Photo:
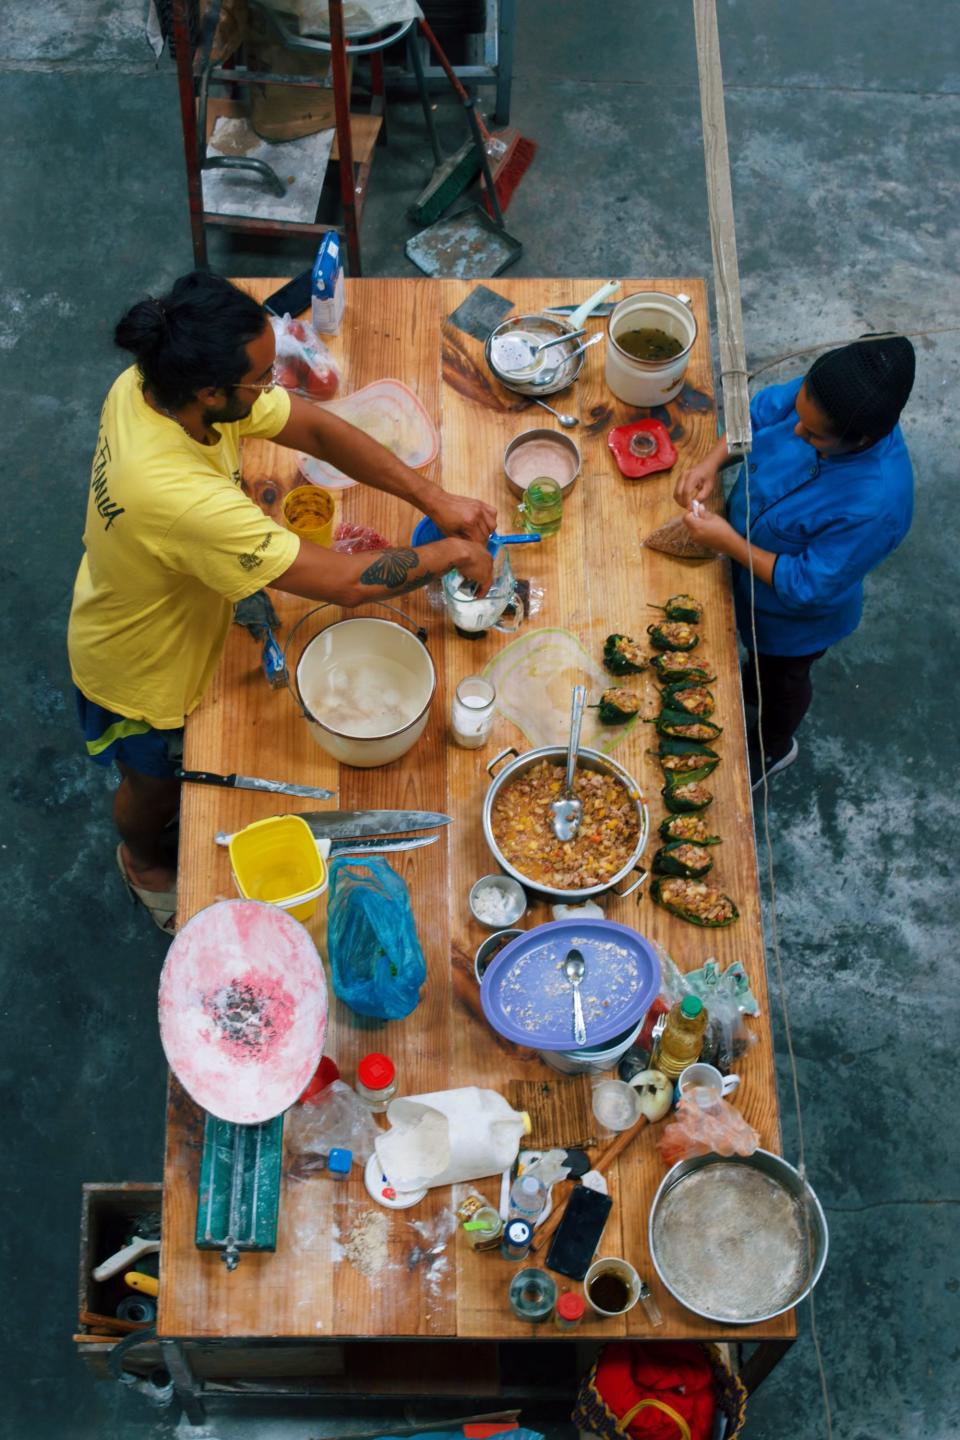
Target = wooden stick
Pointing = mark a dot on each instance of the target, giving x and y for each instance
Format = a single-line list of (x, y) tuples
[(112, 1323), (604, 1160)]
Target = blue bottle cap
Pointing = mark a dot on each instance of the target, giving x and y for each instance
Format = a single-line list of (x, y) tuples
[(340, 1161)]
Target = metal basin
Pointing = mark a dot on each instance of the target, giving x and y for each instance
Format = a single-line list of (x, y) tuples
[(737, 1238), (586, 760)]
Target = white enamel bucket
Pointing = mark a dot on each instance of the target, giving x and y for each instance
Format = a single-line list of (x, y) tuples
[(649, 382)]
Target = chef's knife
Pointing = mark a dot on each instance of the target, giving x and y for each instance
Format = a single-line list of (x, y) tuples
[(355, 824), (569, 309), (360, 847), (252, 782)]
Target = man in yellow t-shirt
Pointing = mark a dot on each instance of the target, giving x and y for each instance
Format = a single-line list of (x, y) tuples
[(171, 543)]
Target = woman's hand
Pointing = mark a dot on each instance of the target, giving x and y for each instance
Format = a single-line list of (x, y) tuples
[(710, 530), (697, 483)]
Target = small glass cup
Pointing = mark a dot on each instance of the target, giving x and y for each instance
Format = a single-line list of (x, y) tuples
[(473, 710), (541, 509)]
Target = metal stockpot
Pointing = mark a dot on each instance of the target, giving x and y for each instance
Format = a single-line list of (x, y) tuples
[(587, 760)]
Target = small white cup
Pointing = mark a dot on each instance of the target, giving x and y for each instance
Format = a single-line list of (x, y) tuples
[(624, 1271), (707, 1078)]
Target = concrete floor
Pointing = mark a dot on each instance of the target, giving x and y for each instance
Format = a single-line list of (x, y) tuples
[(843, 125)]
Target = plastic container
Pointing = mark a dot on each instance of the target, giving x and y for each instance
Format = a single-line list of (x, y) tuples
[(376, 1081), (517, 1239), (569, 1311), (389, 412), (682, 1038), (310, 512), (649, 382), (450, 1136), (277, 860)]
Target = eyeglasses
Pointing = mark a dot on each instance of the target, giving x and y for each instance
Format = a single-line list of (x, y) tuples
[(250, 385)]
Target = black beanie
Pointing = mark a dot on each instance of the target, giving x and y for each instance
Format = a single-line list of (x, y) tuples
[(862, 388)]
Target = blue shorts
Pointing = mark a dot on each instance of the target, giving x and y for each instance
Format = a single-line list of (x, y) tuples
[(134, 743)]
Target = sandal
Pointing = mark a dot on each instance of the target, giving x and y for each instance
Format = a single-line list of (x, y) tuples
[(160, 905)]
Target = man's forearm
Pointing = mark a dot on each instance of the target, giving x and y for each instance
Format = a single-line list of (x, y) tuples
[(319, 574)]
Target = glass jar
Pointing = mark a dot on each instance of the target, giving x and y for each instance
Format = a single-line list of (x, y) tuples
[(472, 714), (376, 1081), (542, 506)]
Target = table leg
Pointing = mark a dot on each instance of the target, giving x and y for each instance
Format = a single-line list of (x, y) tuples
[(185, 1385), (764, 1358)]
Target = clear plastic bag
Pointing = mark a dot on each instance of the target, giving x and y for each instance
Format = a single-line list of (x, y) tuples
[(350, 539), (706, 1129), (375, 955), (336, 1117), (304, 365)]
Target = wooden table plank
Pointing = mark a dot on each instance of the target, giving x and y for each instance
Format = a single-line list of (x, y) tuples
[(596, 577)]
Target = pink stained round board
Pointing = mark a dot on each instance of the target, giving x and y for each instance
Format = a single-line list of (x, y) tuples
[(243, 1010)]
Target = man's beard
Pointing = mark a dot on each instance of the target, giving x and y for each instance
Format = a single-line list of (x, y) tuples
[(234, 409)]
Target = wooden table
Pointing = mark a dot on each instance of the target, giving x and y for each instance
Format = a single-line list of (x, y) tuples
[(596, 577)]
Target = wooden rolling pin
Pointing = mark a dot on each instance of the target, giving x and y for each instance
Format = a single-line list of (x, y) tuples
[(544, 1232)]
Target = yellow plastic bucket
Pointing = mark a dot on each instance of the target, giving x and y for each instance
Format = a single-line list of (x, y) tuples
[(277, 860), (309, 511)]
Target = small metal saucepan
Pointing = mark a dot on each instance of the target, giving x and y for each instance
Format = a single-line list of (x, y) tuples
[(555, 368), (586, 760)]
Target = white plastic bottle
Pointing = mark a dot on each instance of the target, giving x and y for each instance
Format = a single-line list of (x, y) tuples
[(449, 1136), (528, 1196)]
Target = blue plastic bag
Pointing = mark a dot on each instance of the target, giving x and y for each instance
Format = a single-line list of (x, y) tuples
[(378, 965)]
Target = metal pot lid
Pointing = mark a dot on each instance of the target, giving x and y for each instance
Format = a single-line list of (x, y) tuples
[(527, 998), (243, 1010)]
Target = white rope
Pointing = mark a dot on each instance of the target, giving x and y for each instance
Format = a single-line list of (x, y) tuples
[(775, 944)]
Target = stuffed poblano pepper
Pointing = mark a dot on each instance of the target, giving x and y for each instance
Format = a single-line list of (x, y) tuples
[(686, 727), (686, 795), (623, 656), (682, 858), (687, 827), (675, 665), (694, 699), (695, 902), (673, 635), (685, 756), (682, 607), (617, 706)]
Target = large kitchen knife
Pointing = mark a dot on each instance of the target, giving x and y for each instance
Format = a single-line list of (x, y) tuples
[(360, 847), (252, 782), (348, 825)]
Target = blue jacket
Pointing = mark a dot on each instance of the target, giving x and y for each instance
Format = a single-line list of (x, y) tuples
[(830, 521)]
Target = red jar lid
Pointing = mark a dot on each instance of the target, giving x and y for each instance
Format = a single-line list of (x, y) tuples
[(376, 1071), (324, 1075), (571, 1306)]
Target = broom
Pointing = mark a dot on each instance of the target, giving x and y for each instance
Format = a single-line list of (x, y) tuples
[(510, 155)]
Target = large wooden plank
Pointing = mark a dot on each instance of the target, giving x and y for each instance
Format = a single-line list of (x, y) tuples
[(595, 576)]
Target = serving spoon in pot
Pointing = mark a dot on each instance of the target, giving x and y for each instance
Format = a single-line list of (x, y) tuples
[(567, 811)]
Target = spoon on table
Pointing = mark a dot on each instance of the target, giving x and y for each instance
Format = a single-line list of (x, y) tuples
[(516, 352), (567, 421), (574, 967), (568, 810)]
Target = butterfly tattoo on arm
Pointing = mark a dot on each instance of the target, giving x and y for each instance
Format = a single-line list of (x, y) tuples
[(391, 568)]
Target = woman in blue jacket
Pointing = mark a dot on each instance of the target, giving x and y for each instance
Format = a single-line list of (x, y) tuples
[(827, 492)]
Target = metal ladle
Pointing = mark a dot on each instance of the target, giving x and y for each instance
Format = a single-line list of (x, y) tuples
[(574, 967), (567, 811)]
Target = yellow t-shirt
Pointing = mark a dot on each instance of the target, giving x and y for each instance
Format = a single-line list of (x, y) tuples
[(171, 544)]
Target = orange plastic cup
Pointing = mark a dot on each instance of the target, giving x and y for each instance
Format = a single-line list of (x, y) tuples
[(309, 512)]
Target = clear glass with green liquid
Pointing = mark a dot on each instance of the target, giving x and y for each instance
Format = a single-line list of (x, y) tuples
[(542, 506)]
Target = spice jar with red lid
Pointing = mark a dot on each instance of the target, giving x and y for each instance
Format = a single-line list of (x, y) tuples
[(376, 1081)]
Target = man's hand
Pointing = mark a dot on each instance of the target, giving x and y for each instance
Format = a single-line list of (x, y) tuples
[(458, 515), (697, 483), (711, 530), (477, 564)]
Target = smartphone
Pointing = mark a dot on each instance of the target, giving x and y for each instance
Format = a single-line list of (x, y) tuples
[(292, 298), (578, 1234)]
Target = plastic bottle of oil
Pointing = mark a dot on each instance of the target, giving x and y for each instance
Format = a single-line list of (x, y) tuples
[(682, 1038)]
